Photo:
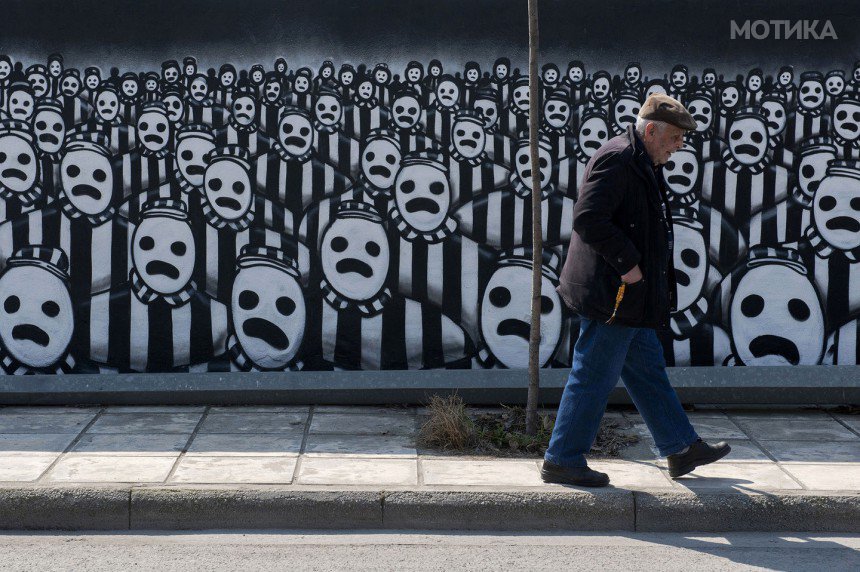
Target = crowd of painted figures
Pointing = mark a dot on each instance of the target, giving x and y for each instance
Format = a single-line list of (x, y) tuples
[(270, 219)]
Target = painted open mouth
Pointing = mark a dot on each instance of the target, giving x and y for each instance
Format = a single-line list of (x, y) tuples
[(32, 333), (682, 277), (328, 116), (228, 203), (422, 204), (49, 138), (354, 265), (153, 139), (679, 180), (84, 190), (775, 345), (379, 170), (591, 144), (843, 223), (557, 116), (16, 173), (407, 119), (747, 149), (265, 330), (701, 118), (849, 126), (469, 143), (295, 141), (195, 169), (160, 267), (513, 327)]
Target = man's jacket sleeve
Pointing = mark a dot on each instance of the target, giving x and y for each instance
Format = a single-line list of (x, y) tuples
[(600, 196)]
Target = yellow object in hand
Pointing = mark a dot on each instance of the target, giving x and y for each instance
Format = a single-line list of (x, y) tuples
[(618, 297)]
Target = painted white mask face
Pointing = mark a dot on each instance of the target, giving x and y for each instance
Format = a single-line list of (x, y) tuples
[(748, 140), (327, 72), (423, 195), (257, 76), (593, 133), (92, 81), (302, 84), (199, 89), (355, 257), (488, 109), (601, 88), (729, 97), (175, 108), (269, 321), (834, 85), (190, 153), (49, 131), (625, 111), (381, 76), (295, 134), (469, 138), (5, 70), (244, 110), (575, 74), (151, 85), (37, 318), (153, 130), (39, 84), (472, 75), (556, 113), (190, 70), (18, 167), (107, 105), (379, 162), (551, 76), (679, 79), (846, 120), (407, 111), (520, 97), (811, 94), (227, 79), (228, 189), (681, 171), (774, 113), (524, 168), (365, 89), (754, 83), (21, 105), (785, 78), (709, 79), (70, 86), (87, 179), (346, 78), (836, 210), (501, 71), (776, 326), (273, 91), (328, 110), (812, 169), (413, 75), (505, 317), (702, 112), (171, 75), (163, 253), (632, 75), (447, 93), (691, 264), (129, 87)]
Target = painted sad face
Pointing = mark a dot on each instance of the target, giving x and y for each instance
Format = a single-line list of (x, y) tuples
[(328, 110), (748, 140), (295, 134), (163, 253), (199, 89), (846, 120), (691, 264), (593, 133), (18, 167), (488, 109), (423, 195), (37, 320), (21, 104), (38, 83), (834, 85), (153, 130), (837, 211), (190, 157), (175, 108), (407, 111), (49, 130), (702, 112), (556, 113), (447, 93), (107, 105), (469, 138), (270, 320), (379, 162), (774, 113), (355, 257), (524, 168), (624, 110), (505, 316), (70, 86), (244, 110), (228, 189), (681, 171), (87, 179), (811, 94), (812, 169)]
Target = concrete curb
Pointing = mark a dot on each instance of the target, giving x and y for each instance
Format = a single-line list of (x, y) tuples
[(202, 507)]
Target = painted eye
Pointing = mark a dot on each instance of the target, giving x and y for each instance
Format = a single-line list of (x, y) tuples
[(500, 296), (524, 159), (757, 137), (161, 127), (304, 131), (798, 309), (437, 188), (736, 134), (670, 165), (546, 305), (752, 305), (827, 203), (144, 126), (339, 244), (688, 168), (51, 309), (99, 176), (42, 125), (372, 249), (248, 300), (690, 257), (238, 187), (808, 171), (369, 156), (147, 243), (215, 184), (178, 248), (187, 155), (71, 170), (24, 159), (12, 304), (407, 187), (285, 305), (855, 203)]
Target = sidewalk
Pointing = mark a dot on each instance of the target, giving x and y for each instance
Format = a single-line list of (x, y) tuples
[(358, 467)]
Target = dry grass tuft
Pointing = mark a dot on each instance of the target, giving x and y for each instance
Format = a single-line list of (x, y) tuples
[(448, 426)]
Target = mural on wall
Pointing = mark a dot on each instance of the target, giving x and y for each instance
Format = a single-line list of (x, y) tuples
[(366, 217)]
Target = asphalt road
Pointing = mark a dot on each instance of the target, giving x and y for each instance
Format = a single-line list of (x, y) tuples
[(417, 551)]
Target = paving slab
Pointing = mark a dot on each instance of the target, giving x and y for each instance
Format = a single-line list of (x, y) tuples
[(826, 477), (146, 423), (45, 422), (364, 409), (627, 475), (708, 428), (24, 467), (244, 470), (814, 452), (34, 443), (506, 473), (240, 422), (745, 450), (300, 409), (246, 444), (155, 409), (816, 429), (322, 445), (741, 477), (130, 444), (45, 409), (338, 471), (110, 469), (364, 424), (852, 421)]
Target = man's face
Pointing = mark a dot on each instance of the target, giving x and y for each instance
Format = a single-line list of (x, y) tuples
[(662, 141)]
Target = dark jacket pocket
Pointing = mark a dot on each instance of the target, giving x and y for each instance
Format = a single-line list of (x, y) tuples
[(632, 307)]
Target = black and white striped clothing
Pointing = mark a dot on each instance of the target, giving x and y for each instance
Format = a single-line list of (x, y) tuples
[(319, 214), (405, 334), (785, 222), (49, 174), (14, 204), (706, 345), (338, 150), (131, 335), (268, 117), (472, 177), (129, 109), (76, 110), (512, 121), (360, 118), (249, 138), (501, 149), (414, 139), (837, 280), (122, 137), (503, 219), (205, 113), (843, 344), (141, 170), (439, 123), (803, 124)]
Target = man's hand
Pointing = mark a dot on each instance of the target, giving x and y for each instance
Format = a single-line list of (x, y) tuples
[(635, 275)]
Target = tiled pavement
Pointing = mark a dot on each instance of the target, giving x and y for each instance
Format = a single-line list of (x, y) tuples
[(814, 450)]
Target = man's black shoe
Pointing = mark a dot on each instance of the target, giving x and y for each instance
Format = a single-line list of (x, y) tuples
[(699, 453), (579, 476)]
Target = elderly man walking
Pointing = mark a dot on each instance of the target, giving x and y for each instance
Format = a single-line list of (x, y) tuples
[(618, 276)]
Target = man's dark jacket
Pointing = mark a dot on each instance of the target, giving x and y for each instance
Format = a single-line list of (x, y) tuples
[(618, 222)]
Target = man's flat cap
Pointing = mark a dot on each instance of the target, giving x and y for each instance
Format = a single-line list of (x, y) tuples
[(661, 107)]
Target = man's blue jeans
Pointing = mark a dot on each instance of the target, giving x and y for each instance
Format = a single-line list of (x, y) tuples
[(601, 354)]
